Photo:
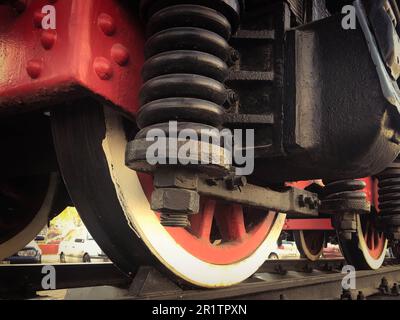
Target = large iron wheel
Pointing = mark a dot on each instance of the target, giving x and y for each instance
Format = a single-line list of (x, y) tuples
[(367, 248), (310, 243), (26, 204), (225, 244)]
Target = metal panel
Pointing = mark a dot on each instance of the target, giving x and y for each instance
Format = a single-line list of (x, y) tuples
[(97, 48)]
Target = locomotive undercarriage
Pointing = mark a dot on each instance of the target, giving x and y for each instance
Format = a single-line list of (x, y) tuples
[(307, 87)]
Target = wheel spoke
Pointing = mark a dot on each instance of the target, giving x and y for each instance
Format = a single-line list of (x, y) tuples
[(202, 223), (366, 233), (230, 221)]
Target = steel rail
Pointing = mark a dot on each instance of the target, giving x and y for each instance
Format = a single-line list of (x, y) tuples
[(277, 279)]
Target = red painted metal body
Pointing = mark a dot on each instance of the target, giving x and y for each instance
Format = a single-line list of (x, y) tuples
[(96, 48)]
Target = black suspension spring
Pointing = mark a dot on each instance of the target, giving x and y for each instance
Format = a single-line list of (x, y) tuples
[(345, 199), (187, 55), (186, 63), (345, 189), (389, 199), (389, 191)]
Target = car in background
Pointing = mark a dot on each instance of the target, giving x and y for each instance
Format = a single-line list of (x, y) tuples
[(332, 251), (81, 249), (284, 250), (30, 254)]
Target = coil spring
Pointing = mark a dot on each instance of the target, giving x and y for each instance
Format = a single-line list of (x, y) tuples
[(389, 191), (186, 65), (345, 189)]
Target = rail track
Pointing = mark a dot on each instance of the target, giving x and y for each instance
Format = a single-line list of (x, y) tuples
[(276, 280)]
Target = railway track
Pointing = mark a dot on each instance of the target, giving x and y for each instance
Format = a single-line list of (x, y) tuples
[(285, 279)]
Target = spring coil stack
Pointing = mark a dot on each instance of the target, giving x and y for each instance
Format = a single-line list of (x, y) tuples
[(187, 62), (345, 189), (389, 200), (345, 199)]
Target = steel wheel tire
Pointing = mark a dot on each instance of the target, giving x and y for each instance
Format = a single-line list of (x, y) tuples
[(39, 220), (90, 142), (367, 248)]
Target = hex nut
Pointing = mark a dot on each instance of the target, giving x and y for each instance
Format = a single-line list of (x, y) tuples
[(175, 201)]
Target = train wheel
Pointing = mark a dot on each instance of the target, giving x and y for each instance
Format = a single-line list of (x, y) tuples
[(310, 243), (367, 248), (25, 206), (225, 244)]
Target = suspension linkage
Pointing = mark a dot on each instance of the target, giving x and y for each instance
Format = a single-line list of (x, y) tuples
[(292, 201)]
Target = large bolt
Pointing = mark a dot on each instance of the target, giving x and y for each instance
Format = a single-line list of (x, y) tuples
[(175, 206), (175, 201)]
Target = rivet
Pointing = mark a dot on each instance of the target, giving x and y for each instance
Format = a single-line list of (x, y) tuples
[(106, 24), (103, 68), (34, 68), (120, 54), (48, 39), (38, 18)]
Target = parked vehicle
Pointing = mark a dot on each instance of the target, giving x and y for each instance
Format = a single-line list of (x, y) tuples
[(30, 254), (82, 248), (286, 250), (332, 251)]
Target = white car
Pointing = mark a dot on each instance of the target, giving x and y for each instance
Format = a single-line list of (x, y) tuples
[(82, 249), (287, 250)]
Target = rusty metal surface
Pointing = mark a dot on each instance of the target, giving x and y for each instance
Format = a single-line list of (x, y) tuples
[(286, 201)]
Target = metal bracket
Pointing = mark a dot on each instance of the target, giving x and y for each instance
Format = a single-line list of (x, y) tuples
[(293, 201)]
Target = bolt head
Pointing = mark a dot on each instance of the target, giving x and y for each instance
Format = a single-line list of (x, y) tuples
[(175, 201)]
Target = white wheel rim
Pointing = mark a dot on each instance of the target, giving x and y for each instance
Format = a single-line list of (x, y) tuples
[(146, 225), (20, 240), (309, 255)]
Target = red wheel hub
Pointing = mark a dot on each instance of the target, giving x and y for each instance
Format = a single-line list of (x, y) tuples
[(222, 233)]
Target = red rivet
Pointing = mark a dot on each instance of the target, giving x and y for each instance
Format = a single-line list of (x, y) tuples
[(38, 18), (120, 54), (34, 68), (48, 39), (106, 24), (103, 68)]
